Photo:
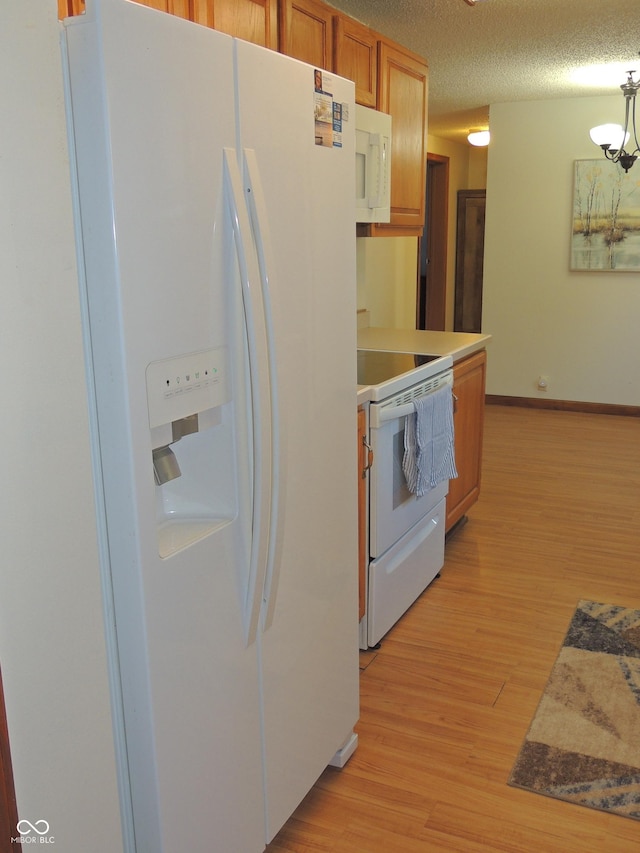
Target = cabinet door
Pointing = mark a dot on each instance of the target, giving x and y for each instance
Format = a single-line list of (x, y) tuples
[(306, 28), (251, 20), (403, 92), (468, 419), (8, 807), (174, 7), (68, 8), (363, 465), (356, 57)]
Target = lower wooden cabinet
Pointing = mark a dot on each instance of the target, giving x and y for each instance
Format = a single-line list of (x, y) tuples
[(363, 465), (469, 378), (8, 807)]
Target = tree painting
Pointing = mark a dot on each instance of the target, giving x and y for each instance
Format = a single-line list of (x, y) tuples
[(606, 217)]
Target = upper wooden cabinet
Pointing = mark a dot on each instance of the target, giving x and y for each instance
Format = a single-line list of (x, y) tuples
[(252, 20), (69, 8), (306, 32), (403, 92), (356, 58), (387, 76)]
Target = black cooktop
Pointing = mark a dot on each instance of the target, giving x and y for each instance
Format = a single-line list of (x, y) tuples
[(375, 366)]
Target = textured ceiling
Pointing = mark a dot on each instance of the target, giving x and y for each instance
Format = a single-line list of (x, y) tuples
[(506, 50)]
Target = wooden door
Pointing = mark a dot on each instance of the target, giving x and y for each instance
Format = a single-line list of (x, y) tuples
[(306, 32), (356, 57), (469, 261), (468, 419), (432, 290), (8, 807), (403, 92)]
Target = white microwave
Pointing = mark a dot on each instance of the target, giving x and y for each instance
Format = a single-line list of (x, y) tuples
[(373, 165)]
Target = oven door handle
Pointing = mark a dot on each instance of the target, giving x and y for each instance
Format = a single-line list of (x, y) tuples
[(382, 414), (392, 413)]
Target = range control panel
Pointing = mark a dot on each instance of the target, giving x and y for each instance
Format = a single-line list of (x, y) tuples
[(181, 386)]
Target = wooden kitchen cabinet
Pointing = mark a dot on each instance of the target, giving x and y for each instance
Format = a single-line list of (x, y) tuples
[(403, 92), (69, 8), (356, 57), (387, 76), (364, 463), (306, 31), (469, 376), (252, 20), (8, 806)]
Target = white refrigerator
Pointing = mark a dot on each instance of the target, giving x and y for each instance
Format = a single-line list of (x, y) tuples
[(214, 200)]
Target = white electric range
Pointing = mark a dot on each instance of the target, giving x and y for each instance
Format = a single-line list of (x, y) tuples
[(406, 533)]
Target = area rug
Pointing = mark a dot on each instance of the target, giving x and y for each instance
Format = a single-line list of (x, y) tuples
[(583, 744)]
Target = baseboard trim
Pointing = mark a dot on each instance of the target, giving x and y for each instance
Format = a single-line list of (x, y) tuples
[(563, 405)]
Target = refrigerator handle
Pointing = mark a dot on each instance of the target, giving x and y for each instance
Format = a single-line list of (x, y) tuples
[(260, 225), (259, 370)]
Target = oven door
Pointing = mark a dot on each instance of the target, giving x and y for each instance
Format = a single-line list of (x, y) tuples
[(393, 508)]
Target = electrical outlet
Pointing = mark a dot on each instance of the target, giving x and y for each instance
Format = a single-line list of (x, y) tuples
[(543, 383)]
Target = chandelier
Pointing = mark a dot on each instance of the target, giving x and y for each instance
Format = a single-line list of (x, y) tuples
[(612, 138)]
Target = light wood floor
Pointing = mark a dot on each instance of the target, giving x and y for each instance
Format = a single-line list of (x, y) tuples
[(447, 700)]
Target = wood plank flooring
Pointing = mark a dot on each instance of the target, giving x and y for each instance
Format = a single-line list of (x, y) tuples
[(448, 698)]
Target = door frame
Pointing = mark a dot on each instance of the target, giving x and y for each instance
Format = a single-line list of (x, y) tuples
[(431, 299)]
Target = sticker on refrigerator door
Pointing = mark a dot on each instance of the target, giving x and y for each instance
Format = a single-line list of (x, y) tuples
[(323, 114), (337, 125), (328, 114)]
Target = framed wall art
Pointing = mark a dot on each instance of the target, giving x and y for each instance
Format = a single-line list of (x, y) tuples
[(605, 232)]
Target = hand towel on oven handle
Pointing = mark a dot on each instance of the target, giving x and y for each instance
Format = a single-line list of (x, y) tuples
[(429, 456)]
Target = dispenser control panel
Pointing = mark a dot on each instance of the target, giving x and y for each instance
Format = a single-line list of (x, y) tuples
[(181, 386)]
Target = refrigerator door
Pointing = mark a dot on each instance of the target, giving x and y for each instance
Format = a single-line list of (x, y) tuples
[(152, 108), (302, 185)]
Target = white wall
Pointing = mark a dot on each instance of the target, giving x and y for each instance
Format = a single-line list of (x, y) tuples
[(387, 266), (52, 650), (578, 328), (387, 270)]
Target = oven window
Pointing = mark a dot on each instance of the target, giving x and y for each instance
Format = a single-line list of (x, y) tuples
[(400, 491)]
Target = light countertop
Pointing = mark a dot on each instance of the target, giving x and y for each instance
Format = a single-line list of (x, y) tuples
[(456, 344)]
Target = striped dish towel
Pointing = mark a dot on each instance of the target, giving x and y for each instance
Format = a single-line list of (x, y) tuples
[(429, 456)]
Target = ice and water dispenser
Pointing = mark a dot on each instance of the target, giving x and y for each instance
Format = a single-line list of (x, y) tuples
[(192, 446)]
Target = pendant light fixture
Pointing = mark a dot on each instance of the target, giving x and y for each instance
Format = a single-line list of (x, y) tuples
[(612, 138)]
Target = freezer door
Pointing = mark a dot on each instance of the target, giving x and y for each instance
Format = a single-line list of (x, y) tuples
[(297, 138), (152, 106)]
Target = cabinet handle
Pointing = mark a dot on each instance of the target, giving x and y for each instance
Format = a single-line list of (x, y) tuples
[(369, 461), (455, 403)]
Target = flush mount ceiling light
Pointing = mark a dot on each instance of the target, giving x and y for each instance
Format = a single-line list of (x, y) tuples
[(612, 138), (479, 138)]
